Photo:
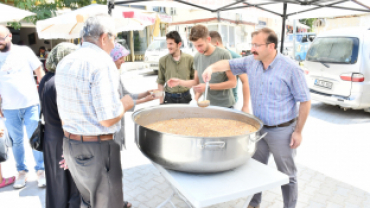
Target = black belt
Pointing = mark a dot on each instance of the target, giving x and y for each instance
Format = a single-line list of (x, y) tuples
[(178, 95), (282, 125)]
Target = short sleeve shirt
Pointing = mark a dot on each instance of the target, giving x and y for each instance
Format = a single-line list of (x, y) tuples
[(17, 82), (222, 98), (87, 87)]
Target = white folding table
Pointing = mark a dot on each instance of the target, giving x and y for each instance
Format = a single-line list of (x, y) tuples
[(202, 190)]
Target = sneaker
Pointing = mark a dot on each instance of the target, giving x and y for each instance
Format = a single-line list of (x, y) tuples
[(20, 182), (41, 179)]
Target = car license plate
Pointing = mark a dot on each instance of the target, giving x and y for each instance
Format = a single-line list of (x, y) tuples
[(324, 84)]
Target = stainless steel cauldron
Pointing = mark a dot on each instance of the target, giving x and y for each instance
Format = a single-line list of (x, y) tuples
[(194, 154)]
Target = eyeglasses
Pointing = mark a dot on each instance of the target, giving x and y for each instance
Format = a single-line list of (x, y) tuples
[(110, 35), (3, 39), (254, 45)]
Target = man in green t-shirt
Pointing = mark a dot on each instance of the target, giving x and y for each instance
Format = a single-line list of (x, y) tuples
[(219, 93), (175, 64), (216, 40)]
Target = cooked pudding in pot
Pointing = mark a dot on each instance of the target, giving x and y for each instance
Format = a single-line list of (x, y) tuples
[(203, 127)]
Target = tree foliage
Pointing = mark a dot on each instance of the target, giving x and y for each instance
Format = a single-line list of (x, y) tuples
[(45, 9), (308, 22)]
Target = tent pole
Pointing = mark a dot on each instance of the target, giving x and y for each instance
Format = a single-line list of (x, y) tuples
[(283, 29)]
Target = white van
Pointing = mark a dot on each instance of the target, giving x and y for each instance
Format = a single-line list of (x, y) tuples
[(158, 48), (337, 68)]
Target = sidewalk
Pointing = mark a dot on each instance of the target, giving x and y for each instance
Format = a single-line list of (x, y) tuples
[(144, 187)]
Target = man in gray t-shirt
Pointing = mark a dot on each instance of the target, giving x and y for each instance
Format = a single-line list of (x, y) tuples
[(225, 97), (221, 84)]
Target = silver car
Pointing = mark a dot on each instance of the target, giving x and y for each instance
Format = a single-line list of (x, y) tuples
[(337, 68)]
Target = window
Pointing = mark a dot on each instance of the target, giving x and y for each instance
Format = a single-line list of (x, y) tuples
[(231, 36), (140, 42), (157, 45), (159, 9), (212, 27), (334, 50), (173, 11), (224, 34), (138, 7), (304, 39), (311, 37)]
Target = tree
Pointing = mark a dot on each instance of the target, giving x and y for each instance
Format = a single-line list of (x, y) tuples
[(45, 9), (308, 22)]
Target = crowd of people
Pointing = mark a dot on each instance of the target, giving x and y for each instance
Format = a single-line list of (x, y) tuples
[(83, 104)]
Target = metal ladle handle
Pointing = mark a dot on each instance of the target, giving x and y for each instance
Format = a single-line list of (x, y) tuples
[(259, 138), (206, 93)]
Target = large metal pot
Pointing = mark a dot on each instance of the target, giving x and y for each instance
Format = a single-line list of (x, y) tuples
[(194, 154)]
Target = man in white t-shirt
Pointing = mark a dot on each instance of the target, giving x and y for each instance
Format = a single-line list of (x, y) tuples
[(20, 101)]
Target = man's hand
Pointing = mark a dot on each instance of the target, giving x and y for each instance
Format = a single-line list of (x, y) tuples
[(63, 163), (295, 140), (150, 97), (173, 82), (127, 102), (196, 97), (1, 132), (200, 88), (245, 109), (207, 74)]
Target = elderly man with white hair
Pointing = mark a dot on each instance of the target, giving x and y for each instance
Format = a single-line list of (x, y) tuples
[(91, 110)]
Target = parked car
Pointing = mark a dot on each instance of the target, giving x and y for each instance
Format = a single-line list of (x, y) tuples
[(303, 42), (158, 48), (337, 68)]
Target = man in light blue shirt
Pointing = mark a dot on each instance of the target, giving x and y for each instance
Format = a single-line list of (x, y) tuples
[(276, 84)]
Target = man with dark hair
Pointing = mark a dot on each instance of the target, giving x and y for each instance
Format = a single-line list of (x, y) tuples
[(277, 84), (19, 102), (175, 65), (220, 93), (42, 50), (216, 40)]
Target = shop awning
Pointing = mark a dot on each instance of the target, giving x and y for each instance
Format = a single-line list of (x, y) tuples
[(69, 24), (285, 9)]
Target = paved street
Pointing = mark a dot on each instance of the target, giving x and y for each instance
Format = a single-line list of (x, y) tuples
[(333, 163)]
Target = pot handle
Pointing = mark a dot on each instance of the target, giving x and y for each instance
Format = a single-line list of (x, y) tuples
[(259, 138), (214, 145)]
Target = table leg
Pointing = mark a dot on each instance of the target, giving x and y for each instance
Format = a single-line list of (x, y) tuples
[(167, 200), (183, 198), (247, 201)]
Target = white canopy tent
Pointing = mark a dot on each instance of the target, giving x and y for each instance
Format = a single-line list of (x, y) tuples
[(13, 14), (285, 9)]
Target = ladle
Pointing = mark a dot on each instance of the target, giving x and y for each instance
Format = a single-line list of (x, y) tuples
[(204, 103)]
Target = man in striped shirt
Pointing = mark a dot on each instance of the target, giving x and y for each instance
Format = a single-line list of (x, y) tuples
[(276, 84)]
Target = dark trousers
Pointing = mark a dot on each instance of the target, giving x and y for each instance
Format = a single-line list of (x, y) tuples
[(96, 169), (177, 98), (61, 190)]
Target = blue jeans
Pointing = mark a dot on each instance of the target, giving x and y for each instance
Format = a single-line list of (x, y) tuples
[(15, 119)]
